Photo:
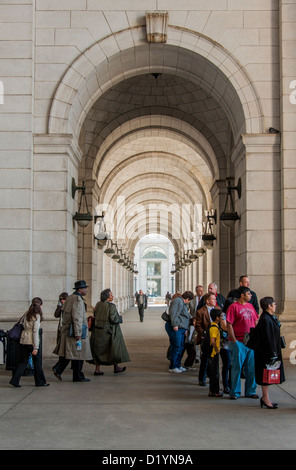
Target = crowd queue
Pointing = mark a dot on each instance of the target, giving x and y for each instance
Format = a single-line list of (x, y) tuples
[(205, 328), (74, 344)]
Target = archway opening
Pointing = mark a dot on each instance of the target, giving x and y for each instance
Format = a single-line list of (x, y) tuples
[(158, 131), (154, 257)]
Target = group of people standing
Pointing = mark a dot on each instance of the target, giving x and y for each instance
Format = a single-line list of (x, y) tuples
[(104, 346), (215, 325), (222, 327)]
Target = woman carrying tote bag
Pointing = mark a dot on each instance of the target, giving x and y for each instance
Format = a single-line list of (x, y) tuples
[(29, 344)]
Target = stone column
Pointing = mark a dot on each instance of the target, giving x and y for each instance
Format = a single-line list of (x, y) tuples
[(16, 157), (287, 29), (257, 233), (288, 149), (224, 245), (54, 244)]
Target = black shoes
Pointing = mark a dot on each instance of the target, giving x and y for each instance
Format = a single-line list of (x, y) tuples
[(15, 385), (273, 407), (119, 369), (58, 376)]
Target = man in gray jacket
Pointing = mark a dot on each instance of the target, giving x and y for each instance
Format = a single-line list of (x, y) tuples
[(177, 328), (74, 345)]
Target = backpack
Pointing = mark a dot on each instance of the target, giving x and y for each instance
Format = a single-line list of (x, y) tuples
[(207, 348)]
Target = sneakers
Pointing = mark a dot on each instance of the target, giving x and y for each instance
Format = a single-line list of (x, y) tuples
[(178, 370)]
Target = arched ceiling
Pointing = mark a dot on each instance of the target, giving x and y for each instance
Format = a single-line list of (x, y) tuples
[(155, 140)]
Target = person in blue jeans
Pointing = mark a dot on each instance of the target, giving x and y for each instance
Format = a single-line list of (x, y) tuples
[(177, 328), (241, 316)]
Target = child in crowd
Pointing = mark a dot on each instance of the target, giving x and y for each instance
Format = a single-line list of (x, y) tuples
[(213, 367)]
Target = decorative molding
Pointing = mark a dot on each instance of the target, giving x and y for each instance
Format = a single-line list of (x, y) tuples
[(156, 27)]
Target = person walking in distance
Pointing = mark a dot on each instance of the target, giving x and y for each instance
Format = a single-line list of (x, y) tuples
[(141, 301)]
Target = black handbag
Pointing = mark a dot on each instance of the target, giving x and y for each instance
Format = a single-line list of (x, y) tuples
[(165, 316), (16, 331)]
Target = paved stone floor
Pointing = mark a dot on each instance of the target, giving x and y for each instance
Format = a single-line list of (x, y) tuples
[(144, 408)]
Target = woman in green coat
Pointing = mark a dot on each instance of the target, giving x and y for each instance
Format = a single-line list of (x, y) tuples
[(107, 343)]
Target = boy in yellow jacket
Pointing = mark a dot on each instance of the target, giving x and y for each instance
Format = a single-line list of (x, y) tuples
[(214, 356)]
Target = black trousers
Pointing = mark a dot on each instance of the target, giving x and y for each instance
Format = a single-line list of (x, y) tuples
[(203, 368), (25, 351), (191, 353), (214, 373), (77, 366), (141, 311)]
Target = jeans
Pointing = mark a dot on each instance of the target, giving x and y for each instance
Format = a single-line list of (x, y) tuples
[(242, 356), (177, 339)]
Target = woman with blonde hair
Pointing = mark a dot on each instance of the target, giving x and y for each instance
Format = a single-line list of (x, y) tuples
[(29, 344)]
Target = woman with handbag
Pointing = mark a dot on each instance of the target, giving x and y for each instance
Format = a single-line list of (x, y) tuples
[(107, 342), (267, 349), (29, 344)]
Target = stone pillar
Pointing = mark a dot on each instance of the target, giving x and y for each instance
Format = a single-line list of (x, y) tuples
[(257, 233), (54, 244), (288, 149), (16, 157), (287, 29), (224, 249)]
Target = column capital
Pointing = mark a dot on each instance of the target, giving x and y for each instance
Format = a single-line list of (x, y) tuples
[(261, 143), (58, 144)]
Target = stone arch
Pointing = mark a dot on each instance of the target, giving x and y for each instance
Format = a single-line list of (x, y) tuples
[(188, 54)]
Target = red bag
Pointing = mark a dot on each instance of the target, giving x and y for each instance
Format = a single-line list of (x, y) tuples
[(271, 376)]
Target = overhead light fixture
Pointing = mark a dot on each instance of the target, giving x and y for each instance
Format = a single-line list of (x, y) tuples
[(109, 250), (187, 259), (100, 232), (82, 218), (200, 252), (229, 216), (208, 237), (192, 256)]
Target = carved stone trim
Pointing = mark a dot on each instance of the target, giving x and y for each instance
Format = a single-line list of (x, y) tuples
[(156, 26)]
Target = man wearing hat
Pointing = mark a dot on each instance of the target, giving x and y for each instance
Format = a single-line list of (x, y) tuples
[(74, 345)]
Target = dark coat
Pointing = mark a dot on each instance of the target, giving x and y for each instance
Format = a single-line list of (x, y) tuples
[(107, 343), (267, 345)]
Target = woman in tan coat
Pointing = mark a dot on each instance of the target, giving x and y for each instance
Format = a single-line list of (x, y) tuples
[(29, 344)]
